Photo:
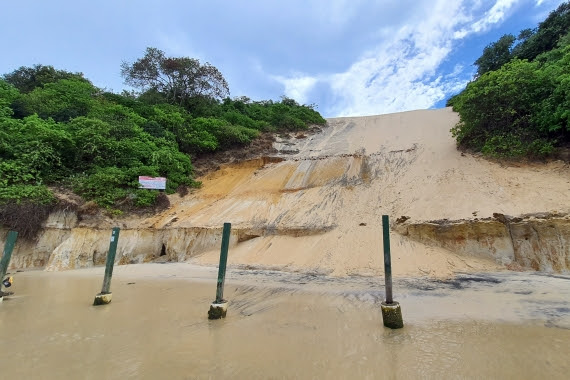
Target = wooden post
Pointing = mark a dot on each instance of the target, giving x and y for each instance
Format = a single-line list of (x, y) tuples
[(223, 262), (387, 259), (5, 261), (219, 307), (7, 254), (391, 311), (105, 296)]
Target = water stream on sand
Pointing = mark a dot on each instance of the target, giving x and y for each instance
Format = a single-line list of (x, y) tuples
[(284, 326)]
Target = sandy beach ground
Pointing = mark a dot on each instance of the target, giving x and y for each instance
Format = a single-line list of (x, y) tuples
[(283, 325)]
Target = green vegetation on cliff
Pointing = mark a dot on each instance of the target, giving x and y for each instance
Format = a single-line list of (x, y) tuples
[(519, 103), (58, 129)]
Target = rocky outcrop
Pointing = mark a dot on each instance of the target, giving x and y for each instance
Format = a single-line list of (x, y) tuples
[(538, 241), (542, 242), (65, 243), (87, 247)]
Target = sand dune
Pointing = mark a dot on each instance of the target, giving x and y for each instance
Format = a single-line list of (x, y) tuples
[(319, 209), (316, 206)]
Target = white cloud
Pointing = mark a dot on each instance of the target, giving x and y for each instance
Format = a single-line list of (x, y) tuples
[(297, 87), (401, 72), (494, 15)]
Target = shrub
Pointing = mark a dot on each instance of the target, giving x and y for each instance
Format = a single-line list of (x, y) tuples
[(59, 129)]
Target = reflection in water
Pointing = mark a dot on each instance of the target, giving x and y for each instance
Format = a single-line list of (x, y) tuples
[(159, 329)]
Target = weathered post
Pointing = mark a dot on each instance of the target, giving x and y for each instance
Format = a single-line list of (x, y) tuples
[(5, 261), (7, 254), (219, 307), (105, 296), (391, 311)]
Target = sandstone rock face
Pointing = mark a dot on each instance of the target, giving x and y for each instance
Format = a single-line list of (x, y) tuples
[(36, 254), (481, 238), (540, 242), (86, 247), (534, 243)]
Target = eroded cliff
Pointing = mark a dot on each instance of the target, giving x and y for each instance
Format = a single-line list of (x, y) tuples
[(316, 206)]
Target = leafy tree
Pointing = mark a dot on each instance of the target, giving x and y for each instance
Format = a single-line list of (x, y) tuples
[(26, 79), (62, 100), (530, 43), (34, 151), (8, 94), (517, 110), (56, 128), (516, 106), (179, 79), (547, 36), (495, 55), (553, 114)]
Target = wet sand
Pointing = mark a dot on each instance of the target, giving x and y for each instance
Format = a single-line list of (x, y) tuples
[(283, 325)]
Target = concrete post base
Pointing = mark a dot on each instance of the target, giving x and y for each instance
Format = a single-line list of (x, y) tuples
[(4, 294), (102, 299), (392, 315), (218, 310)]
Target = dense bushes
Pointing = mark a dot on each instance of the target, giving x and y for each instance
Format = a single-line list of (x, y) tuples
[(518, 107), (56, 128)]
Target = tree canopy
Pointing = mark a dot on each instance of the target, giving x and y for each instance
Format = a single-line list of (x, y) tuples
[(58, 130), (519, 103), (179, 79), (495, 55), (529, 44), (27, 79)]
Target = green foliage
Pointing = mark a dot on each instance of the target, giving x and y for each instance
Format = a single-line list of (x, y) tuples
[(8, 94), (105, 185), (225, 134), (56, 128), (37, 194), (519, 107), (511, 145), (27, 79), (33, 150), (62, 100), (530, 43), (270, 116), (144, 198), (179, 79), (495, 55), (547, 36)]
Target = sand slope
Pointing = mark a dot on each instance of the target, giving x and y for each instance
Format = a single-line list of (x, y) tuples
[(319, 206)]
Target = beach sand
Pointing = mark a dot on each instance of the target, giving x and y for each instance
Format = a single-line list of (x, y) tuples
[(283, 325)]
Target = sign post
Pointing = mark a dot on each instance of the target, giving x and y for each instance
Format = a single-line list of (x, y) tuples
[(152, 183)]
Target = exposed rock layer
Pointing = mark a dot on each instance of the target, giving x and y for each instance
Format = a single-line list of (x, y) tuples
[(540, 242)]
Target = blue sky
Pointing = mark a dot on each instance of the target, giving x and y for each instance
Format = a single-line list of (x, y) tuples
[(349, 57)]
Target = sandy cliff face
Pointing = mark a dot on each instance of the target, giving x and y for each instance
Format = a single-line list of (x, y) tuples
[(316, 206), (538, 241)]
